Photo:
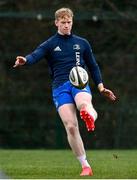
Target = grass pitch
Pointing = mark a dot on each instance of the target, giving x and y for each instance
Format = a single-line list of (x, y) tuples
[(61, 164)]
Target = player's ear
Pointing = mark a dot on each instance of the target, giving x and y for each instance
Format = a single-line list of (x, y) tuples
[(56, 22)]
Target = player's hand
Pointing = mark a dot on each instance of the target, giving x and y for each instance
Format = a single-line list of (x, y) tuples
[(20, 61), (109, 94)]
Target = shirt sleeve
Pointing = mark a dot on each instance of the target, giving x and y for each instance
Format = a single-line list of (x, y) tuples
[(92, 64), (37, 54)]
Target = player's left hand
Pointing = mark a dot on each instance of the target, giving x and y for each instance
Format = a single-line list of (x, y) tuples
[(109, 94)]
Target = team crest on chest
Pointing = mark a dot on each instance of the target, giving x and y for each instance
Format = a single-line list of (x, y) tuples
[(76, 47)]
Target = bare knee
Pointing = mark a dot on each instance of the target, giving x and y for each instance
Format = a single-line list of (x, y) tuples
[(71, 129), (84, 104)]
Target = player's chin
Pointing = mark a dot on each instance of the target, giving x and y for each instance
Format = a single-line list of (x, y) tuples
[(67, 32)]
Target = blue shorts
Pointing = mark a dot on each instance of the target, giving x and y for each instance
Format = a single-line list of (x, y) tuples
[(66, 93)]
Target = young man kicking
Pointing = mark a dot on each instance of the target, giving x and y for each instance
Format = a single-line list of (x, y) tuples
[(62, 52)]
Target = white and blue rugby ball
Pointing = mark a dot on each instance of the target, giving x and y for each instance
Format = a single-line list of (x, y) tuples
[(78, 77)]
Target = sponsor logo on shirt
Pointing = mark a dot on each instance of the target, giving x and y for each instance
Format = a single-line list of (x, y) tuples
[(77, 58), (57, 49)]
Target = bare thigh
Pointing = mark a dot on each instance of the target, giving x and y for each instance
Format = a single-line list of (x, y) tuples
[(83, 98), (67, 113)]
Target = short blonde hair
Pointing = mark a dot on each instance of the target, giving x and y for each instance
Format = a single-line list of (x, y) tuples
[(62, 12)]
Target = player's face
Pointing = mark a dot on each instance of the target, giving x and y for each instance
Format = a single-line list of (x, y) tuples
[(64, 25)]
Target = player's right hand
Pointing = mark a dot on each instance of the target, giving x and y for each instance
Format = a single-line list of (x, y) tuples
[(20, 61)]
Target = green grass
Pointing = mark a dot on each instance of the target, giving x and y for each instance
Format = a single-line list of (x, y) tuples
[(58, 164)]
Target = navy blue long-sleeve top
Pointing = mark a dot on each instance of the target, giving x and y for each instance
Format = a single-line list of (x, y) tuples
[(64, 52)]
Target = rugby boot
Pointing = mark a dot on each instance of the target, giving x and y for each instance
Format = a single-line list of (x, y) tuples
[(86, 171), (88, 119)]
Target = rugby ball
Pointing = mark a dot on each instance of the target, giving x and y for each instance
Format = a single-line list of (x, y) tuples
[(78, 77)]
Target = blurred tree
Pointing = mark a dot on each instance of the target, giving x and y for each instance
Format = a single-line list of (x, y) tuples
[(27, 114)]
